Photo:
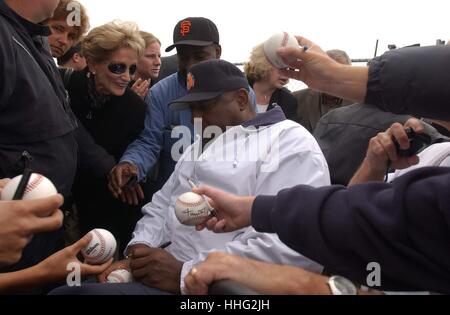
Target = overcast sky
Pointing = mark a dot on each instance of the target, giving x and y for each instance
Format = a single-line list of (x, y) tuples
[(351, 25), (346, 24)]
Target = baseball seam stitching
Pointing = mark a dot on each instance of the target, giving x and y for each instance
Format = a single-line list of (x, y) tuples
[(34, 184), (102, 246)]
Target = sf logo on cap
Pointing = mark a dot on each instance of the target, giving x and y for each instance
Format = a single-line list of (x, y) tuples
[(190, 81), (185, 27)]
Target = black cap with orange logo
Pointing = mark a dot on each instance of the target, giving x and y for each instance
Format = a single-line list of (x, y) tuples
[(209, 79), (194, 31)]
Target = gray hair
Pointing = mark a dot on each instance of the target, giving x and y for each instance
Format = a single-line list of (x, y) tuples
[(340, 56)]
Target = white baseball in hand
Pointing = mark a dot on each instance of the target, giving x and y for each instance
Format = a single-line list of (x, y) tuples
[(38, 187), (101, 248), (191, 209), (120, 276), (277, 41)]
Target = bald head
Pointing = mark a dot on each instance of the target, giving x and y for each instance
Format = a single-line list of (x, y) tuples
[(339, 56)]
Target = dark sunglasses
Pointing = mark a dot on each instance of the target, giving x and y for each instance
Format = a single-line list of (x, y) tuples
[(120, 68)]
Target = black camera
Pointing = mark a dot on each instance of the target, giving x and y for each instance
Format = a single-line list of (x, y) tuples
[(417, 141)]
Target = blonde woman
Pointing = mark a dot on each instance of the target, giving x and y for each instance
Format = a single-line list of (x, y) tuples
[(148, 66), (114, 117), (268, 84)]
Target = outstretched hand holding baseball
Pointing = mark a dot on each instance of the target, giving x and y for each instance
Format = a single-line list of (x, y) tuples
[(54, 269), (233, 212), (321, 73)]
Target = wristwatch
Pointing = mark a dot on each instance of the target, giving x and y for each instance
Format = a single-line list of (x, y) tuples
[(342, 286)]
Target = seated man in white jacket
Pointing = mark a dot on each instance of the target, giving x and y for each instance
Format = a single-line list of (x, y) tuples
[(256, 155)]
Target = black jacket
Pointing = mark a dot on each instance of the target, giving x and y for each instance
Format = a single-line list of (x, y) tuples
[(287, 102), (34, 112), (403, 226), (349, 129), (113, 126)]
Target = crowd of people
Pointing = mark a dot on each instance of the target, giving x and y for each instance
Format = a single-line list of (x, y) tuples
[(309, 188)]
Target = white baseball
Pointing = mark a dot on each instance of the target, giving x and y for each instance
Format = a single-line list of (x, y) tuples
[(101, 247), (191, 209), (277, 41), (120, 276), (38, 187)]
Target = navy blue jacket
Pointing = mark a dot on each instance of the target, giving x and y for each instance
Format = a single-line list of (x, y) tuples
[(403, 226)]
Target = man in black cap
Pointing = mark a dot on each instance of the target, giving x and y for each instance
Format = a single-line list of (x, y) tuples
[(196, 39), (249, 154)]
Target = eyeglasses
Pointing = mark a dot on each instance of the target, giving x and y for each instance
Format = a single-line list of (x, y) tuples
[(120, 68)]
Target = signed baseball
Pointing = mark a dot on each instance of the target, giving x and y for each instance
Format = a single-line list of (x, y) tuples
[(277, 41), (191, 209), (120, 276), (101, 248), (38, 187)]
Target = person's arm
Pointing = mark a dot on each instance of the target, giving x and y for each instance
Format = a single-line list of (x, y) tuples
[(403, 81), (54, 269), (143, 153), (92, 156), (323, 74), (403, 227), (261, 277), (20, 220), (258, 246), (411, 81), (382, 151)]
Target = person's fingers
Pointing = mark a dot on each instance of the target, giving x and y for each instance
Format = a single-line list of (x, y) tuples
[(378, 150), (291, 55), (194, 284), (398, 132), (138, 83), (43, 207), (140, 251), (140, 192), (128, 197), (50, 223), (413, 160), (139, 273), (200, 227), (102, 277), (116, 180), (134, 196), (303, 41), (88, 270), (82, 243), (416, 125), (3, 183), (211, 223), (137, 263), (385, 139), (220, 227)]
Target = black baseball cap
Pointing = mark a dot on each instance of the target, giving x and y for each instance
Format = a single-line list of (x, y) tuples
[(194, 31), (209, 79)]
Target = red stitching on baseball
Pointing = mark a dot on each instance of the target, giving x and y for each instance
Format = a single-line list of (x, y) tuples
[(102, 246), (195, 204), (118, 277), (34, 184)]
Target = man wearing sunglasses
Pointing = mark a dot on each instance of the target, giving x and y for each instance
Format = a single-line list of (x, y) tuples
[(196, 39)]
